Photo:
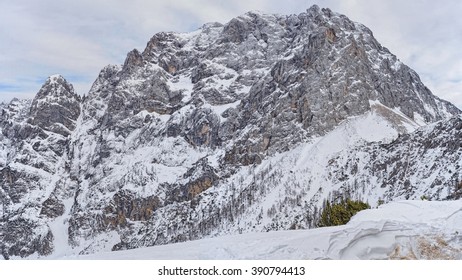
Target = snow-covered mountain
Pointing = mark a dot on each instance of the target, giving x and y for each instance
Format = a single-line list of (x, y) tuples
[(243, 127)]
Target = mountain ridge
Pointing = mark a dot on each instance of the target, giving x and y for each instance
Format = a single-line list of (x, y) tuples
[(233, 128)]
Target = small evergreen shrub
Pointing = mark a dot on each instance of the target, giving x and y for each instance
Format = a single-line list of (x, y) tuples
[(336, 214)]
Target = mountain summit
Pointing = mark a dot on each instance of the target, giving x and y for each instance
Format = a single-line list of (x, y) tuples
[(238, 127), (56, 106)]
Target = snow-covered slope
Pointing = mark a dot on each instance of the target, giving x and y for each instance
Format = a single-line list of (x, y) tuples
[(399, 230), (247, 126)]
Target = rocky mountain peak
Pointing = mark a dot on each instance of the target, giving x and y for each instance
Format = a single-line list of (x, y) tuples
[(56, 85), (56, 78), (56, 106), (242, 126), (134, 59)]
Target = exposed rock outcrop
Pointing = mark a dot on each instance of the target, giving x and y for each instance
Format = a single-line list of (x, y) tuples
[(246, 126)]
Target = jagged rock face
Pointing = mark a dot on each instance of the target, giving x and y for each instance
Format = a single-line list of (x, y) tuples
[(216, 131), (312, 70), (425, 163), (34, 137), (24, 240), (56, 106)]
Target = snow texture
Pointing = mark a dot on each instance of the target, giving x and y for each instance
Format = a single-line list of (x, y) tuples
[(398, 230), (236, 128)]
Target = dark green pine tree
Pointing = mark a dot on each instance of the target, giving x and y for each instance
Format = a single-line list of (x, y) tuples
[(335, 214)]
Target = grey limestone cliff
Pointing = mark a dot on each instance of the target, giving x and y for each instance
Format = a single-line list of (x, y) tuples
[(187, 138)]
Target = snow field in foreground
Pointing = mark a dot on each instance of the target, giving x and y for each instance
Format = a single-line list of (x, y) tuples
[(398, 230)]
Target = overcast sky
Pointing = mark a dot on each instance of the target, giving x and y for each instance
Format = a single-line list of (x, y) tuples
[(78, 38)]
